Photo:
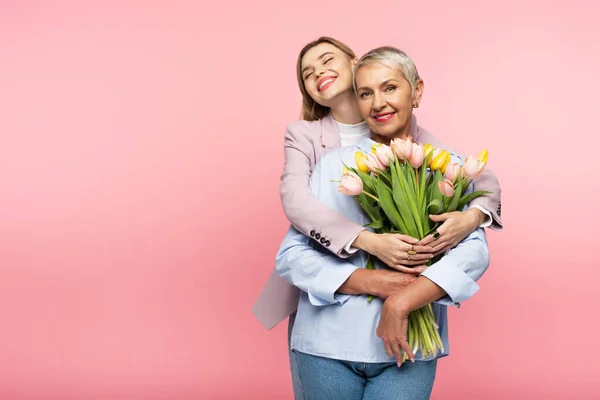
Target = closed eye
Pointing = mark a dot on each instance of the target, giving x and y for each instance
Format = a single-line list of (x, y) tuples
[(326, 61), (307, 76)]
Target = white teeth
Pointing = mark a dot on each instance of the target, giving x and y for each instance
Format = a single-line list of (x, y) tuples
[(325, 82)]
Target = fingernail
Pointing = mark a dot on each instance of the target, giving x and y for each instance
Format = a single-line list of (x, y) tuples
[(399, 364), (412, 360)]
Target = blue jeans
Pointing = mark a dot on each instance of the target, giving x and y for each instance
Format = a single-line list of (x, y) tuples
[(296, 384), (329, 379)]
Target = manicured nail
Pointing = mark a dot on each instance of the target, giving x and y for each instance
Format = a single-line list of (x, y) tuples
[(412, 360), (399, 364)]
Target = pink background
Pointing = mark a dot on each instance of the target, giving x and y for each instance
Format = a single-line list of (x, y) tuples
[(140, 155)]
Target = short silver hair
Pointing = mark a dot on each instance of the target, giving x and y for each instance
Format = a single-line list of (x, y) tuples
[(393, 58)]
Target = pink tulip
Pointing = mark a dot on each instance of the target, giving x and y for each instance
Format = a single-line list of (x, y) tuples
[(373, 163), (402, 147), (452, 171), (351, 184), (446, 188), (472, 168), (384, 154), (417, 155)]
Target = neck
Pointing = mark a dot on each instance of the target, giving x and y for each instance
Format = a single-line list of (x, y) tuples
[(404, 132), (345, 110)]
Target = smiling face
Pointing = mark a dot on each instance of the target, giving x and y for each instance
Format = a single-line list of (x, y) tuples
[(386, 100), (326, 73)]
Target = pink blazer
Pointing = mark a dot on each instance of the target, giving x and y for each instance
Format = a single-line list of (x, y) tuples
[(305, 143)]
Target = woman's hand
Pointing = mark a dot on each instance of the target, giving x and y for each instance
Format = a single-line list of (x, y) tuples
[(456, 226), (400, 252), (393, 328)]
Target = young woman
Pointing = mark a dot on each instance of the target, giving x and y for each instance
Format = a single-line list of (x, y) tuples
[(338, 353), (333, 119)]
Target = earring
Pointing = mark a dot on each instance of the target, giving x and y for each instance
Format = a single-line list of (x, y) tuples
[(416, 105)]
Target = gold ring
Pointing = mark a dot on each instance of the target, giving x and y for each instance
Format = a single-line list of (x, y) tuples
[(411, 252)]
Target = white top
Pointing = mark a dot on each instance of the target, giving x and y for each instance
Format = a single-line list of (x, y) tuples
[(350, 135)]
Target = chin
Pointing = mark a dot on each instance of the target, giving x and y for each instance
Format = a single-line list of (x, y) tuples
[(386, 131)]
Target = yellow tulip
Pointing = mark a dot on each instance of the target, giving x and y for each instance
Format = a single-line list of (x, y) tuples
[(427, 149), (443, 169), (483, 157), (434, 153), (360, 157), (440, 161)]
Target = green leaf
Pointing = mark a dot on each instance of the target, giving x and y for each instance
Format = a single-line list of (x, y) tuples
[(368, 181), (376, 224), (454, 201), (389, 207), (368, 206), (408, 185), (435, 189), (400, 196), (464, 200), (435, 207)]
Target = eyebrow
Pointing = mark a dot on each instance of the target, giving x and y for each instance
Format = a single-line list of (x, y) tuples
[(382, 84), (318, 58)]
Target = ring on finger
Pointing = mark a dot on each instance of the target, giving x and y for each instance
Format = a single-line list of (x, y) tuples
[(436, 234), (411, 252)]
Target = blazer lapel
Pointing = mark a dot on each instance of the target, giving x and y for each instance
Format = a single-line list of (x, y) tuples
[(330, 137)]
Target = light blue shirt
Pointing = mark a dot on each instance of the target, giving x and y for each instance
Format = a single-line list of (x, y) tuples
[(339, 326)]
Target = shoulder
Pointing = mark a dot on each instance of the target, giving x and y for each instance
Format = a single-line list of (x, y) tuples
[(299, 130), (426, 137)]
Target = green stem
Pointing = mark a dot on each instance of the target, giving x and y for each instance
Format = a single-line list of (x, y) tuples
[(370, 195)]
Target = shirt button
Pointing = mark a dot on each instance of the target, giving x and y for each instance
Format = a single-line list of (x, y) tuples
[(323, 240), (312, 233), (317, 236), (327, 243)]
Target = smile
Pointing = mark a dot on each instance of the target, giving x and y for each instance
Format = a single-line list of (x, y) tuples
[(325, 83), (383, 117)]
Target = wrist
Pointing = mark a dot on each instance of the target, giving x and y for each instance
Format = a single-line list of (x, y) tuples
[(477, 215), (400, 303), (363, 241)]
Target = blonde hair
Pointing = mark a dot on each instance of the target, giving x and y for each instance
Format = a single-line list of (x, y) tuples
[(311, 110), (393, 58)]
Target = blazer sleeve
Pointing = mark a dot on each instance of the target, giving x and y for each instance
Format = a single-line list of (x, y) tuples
[(491, 201), (307, 214)]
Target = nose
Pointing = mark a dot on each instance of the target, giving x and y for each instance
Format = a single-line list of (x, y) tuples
[(378, 102), (319, 73)]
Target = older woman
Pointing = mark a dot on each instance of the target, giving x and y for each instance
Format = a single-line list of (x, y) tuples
[(338, 353)]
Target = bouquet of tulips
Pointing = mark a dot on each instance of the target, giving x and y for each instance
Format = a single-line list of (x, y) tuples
[(398, 187)]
